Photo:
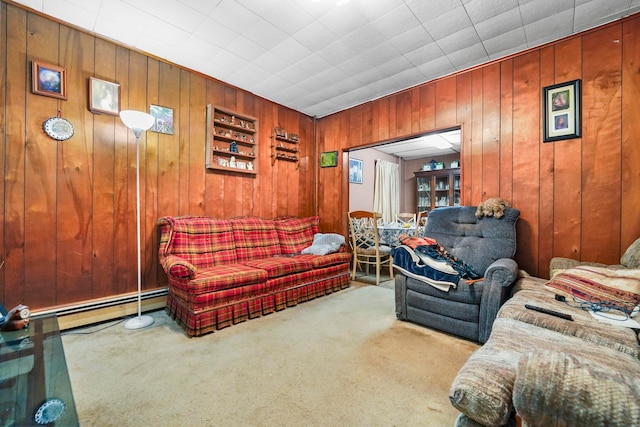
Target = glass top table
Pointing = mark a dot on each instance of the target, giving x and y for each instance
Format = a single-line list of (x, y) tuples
[(34, 383)]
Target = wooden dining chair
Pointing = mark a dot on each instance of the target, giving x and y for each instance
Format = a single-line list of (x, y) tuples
[(422, 217), (367, 250), (406, 218)]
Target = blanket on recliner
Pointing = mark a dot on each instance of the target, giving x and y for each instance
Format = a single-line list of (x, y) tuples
[(420, 266)]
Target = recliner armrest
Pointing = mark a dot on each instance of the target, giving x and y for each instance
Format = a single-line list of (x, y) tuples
[(498, 279), (178, 267)]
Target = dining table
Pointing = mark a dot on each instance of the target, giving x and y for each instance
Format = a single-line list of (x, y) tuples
[(389, 234)]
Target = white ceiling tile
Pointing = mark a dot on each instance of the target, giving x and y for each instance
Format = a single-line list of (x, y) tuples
[(320, 58), (467, 57), (364, 38), (217, 34), (536, 10), (343, 20), (484, 10), (233, 15), (71, 12), (336, 52), (551, 28), (395, 22), (291, 50), (500, 24), (381, 53), (438, 67), (289, 19), (498, 45), (203, 6), (314, 36), (265, 34), (410, 40), (424, 54)]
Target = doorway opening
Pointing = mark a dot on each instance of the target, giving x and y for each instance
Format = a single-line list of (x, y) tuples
[(417, 154)]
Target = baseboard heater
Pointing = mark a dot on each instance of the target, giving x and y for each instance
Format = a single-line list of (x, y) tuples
[(104, 303)]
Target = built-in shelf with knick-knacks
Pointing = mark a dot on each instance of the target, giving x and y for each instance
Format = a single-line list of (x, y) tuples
[(285, 146), (232, 141)]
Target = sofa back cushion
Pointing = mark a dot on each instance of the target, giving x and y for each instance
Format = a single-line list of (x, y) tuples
[(296, 234), (255, 238), (203, 241), (476, 241)]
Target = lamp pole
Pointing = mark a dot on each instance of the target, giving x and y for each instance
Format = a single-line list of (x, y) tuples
[(138, 122)]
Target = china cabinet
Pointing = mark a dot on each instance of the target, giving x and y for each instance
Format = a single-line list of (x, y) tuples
[(437, 188)]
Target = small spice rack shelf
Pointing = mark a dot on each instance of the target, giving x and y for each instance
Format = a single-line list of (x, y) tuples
[(231, 141), (285, 146)]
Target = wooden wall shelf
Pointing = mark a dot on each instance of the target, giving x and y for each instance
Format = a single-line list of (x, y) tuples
[(285, 146), (232, 141)]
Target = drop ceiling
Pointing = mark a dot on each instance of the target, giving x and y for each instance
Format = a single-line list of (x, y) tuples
[(323, 56)]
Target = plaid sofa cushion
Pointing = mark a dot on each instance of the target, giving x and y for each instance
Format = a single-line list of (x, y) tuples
[(321, 261), (280, 266), (255, 238), (202, 241), (220, 277), (296, 234)]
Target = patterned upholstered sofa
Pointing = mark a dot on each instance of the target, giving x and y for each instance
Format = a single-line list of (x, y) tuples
[(548, 370), (222, 272)]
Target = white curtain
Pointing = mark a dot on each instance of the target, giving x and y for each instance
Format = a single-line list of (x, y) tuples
[(386, 192)]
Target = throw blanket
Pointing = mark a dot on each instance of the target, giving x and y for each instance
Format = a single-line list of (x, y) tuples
[(420, 266)]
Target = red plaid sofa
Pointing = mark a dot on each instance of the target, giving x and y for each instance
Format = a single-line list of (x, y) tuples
[(222, 272)]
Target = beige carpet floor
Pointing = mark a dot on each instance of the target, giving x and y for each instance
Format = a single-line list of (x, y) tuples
[(340, 360)]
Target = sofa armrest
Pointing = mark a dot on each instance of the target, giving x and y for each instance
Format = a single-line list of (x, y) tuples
[(555, 388), (178, 267), (498, 279)]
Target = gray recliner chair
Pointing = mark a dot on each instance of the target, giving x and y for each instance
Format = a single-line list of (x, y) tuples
[(488, 245)]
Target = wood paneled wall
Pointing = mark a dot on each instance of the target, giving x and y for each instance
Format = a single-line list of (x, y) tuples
[(68, 208), (578, 198)]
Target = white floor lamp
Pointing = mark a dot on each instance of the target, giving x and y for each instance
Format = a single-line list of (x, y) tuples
[(138, 122)]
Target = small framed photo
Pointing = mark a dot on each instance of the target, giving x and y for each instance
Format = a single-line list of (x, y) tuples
[(104, 97), (48, 80), (329, 159), (562, 111), (355, 171), (164, 119)]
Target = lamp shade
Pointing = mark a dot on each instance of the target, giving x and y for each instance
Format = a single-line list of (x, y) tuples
[(137, 120)]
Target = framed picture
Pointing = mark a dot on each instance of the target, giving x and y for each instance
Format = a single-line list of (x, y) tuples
[(355, 171), (48, 80), (562, 111), (329, 159), (164, 119), (104, 97)]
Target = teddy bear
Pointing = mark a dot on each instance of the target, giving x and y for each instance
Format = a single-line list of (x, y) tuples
[(494, 207)]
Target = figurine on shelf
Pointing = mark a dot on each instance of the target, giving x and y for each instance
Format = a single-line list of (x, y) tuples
[(232, 162), (233, 147), (250, 166)]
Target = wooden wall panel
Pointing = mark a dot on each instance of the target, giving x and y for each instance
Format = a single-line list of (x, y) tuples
[(490, 131), (601, 153), (41, 173), (545, 238), (14, 148), (69, 208), (506, 129), (578, 198), (463, 118), (630, 225), (567, 167), (3, 112), (75, 166), (474, 127)]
